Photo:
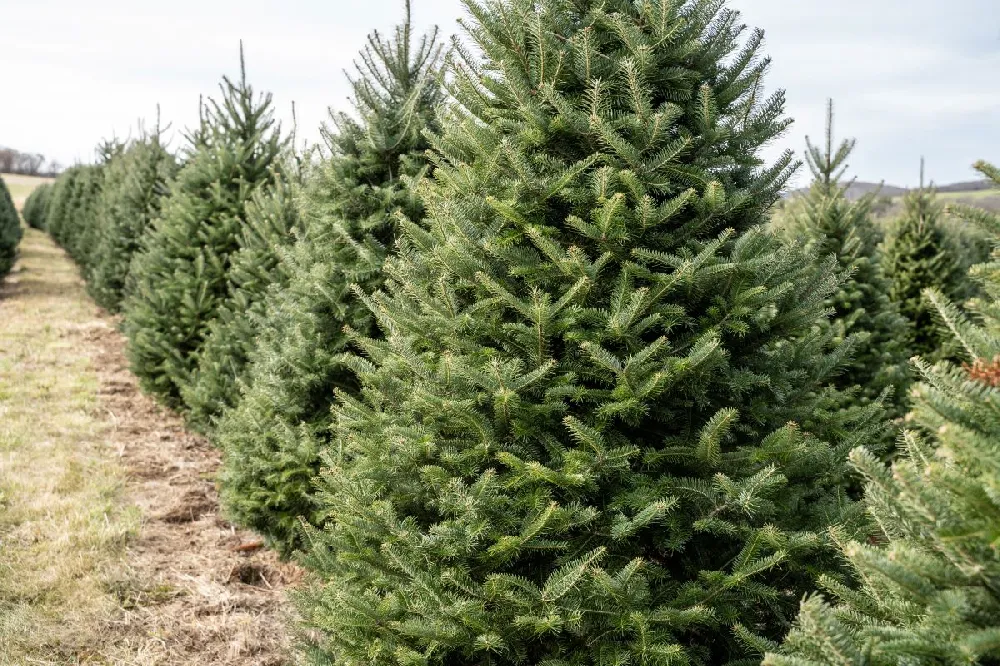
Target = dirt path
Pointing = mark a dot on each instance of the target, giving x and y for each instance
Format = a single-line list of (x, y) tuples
[(111, 547)]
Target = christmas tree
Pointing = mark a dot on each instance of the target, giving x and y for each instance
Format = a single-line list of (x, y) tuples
[(928, 583), (180, 277), (36, 208), (58, 200), (80, 241), (135, 185), (272, 223), (10, 230), (81, 238), (350, 204), (917, 257), (591, 433), (75, 221), (66, 193), (86, 188), (831, 224)]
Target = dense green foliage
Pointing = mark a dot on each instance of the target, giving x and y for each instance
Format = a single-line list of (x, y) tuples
[(10, 230), (592, 433), (135, 183), (273, 437), (180, 277), (76, 213), (60, 209), (36, 208), (528, 367), (272, 224), (832, 224), (928, 587), (918, 257)]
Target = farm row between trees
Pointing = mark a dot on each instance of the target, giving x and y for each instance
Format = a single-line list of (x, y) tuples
[(529, 366)]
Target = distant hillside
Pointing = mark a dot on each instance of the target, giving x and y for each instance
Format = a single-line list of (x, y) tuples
[(859, 189), (968, 186)]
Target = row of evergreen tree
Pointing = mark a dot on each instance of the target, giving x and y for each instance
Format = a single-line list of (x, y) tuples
[(10, 230), (519, 370)]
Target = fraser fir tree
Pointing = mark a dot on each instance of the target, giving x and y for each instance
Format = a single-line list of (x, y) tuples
[(10, 230), (928, 585), (79, 241), (590, 435), (917, 257), (77, 217), (351, 204), (272, 223), (61, 206), (832, 224), (36, 208), (181, 275), (83, 237), (135, 185)]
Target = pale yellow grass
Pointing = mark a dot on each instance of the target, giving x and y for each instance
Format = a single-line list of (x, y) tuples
[(21, 186), (112, 548), (64, 526)]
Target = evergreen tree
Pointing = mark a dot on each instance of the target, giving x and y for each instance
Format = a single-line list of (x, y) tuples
[(10, 230), (134, 189), (832, 224), (350, 204), (590, 435), (180, 277), (928, 584), (36, 208), (917, 257), (78, 211), (61, 205), (87, 222), (83, 239), (76, 219), (272, 223)]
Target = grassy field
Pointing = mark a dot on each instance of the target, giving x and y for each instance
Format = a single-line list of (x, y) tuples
[(978, 197), (112, 550), (63, 523), (21, 186)]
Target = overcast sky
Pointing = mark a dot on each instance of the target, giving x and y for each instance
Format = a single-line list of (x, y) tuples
[(910, 77)]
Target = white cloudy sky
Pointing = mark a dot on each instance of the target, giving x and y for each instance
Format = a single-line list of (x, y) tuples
[(910, 77)]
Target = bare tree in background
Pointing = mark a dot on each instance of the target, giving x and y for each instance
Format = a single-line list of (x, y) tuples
[(8, 157), (28, 164)]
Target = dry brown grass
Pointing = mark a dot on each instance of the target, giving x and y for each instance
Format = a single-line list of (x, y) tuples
[(21, 186), (111, 547), (62, 518)]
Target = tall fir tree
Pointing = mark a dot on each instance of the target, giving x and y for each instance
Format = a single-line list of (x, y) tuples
[(36, 208), (83, 237), (590, 435), (80, 241), (918, 257), (180, 277), (928, 584), (831, 224), (10, 230), (83, 189), (350, 204), (63, 193), (76, 215), (135, 186), (272, 224)]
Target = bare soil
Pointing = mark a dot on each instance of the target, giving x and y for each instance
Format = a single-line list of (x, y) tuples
[(216, 594)]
